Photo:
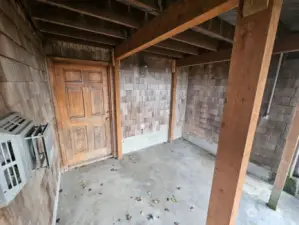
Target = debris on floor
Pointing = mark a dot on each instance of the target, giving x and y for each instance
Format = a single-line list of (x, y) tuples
[(138, 199), (156, 201), (128, 217), (150, 217), (173, 199)]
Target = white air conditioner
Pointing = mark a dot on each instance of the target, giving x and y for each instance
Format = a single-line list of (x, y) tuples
[(24, 148)]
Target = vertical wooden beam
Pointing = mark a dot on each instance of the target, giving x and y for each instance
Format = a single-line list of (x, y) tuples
[(286, 161), (118, 128), (172, 102), (253, 45)]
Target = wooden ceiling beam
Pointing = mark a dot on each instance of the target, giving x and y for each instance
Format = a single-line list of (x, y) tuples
[(192, 38), (178, 46), (216, 27), (177, 18), (73, 33), (146, 6), (85, 24), (103, 14), (75, 40), (285, 44), (164, 52), (198, 40), (98, 29)]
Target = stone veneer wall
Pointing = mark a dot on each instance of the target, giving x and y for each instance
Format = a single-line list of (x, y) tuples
[(205, 102), (145, 101), (24, 89)]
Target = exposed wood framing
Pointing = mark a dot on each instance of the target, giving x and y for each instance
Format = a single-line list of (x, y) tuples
[(254, 6), (285, 44), (73, 33), (103, 14), (177, 18), (192, 38), (78, 24), (146, 6), (172, 103), (94, 30), (165, 52), (253, 45), (118, 127), (177, 46), (197, 40), (286, 161), (215, 27)]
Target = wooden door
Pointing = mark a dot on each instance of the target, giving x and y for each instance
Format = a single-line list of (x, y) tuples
[(83, 115)]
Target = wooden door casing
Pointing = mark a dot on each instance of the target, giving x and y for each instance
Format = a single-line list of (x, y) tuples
[(84, 120)]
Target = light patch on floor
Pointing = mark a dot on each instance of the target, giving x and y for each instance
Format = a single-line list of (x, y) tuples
[(163, 184)]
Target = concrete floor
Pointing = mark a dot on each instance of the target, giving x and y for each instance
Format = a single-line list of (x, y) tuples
[(164, 184)]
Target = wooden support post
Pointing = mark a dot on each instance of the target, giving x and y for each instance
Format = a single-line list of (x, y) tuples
[(118, 128), (253, 45), (286, 161), (172, 102)]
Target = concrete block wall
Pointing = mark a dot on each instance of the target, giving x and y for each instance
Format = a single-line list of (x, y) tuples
[(205, 102), (24, 89)]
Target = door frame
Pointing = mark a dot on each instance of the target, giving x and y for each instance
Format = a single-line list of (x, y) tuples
[(51, 62)]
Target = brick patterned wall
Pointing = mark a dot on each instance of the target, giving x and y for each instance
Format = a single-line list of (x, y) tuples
[(145, 98), (205, 101), (24, 89)]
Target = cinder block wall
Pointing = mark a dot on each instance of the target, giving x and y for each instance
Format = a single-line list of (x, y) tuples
[(24, 89), (145, 101), (205, 102)]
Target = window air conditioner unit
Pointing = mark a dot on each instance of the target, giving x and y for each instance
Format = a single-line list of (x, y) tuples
[(24, 148)]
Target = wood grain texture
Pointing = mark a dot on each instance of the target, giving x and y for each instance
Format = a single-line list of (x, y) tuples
[(83, 114), (177, 18), (253, 46), (76, 34), (251, 7), (118, 126), (78, 23), (193, 38), (285, 44), (172, 113), (215, 27), (286, 160)]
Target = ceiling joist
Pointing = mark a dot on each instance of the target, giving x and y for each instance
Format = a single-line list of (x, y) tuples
[(192, 38), (215, 27), (177, 18), (285, 44), (84, 25), (87, 27), (73, 33)]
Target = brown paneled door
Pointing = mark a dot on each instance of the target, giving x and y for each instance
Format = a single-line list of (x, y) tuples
[(82, 110)]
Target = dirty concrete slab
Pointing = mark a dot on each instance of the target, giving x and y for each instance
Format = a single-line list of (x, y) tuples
[(163, 184)]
